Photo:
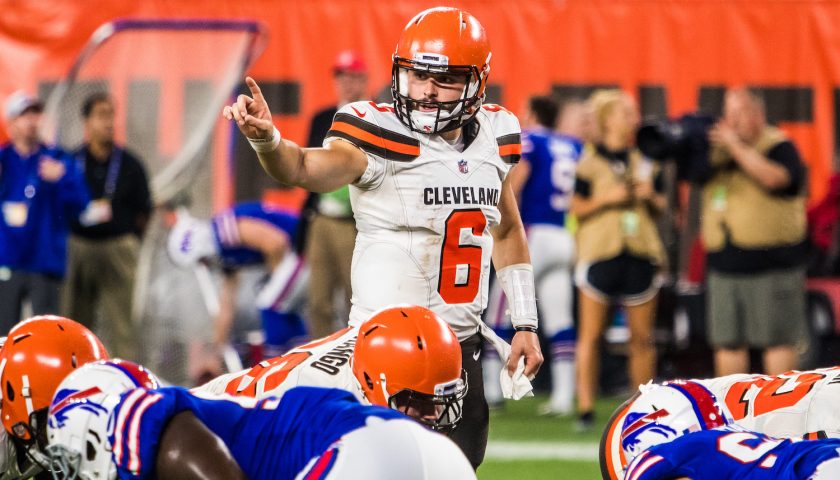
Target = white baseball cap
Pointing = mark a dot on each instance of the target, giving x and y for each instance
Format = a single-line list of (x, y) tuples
[(19, 102)]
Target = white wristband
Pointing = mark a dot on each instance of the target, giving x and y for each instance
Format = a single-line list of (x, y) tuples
[(262, 145), (518, 284)]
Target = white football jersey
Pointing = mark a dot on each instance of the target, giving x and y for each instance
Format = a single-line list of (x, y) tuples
[(792, 405), (321, 363), (424, 210)]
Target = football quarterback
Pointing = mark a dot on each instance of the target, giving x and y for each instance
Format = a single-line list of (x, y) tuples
[(429, 191)]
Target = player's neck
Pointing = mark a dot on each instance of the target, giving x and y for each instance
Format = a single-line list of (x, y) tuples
[(452, 135)]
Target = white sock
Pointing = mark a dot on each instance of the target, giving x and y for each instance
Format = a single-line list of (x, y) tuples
[(562, 385)]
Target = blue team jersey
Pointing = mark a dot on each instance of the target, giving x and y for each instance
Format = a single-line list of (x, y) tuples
[(233, 254), (269, 438), (549, 188), (732, 453)]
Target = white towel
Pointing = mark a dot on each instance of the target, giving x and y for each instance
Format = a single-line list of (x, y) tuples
[(518, 386)]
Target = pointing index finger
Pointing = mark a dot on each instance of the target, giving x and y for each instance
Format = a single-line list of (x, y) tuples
[(256, 93)]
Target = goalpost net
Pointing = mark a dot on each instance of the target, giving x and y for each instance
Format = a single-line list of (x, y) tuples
[(169, 80)]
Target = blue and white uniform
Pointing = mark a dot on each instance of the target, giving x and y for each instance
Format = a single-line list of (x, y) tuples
[(233, 254), (544, 206), (269, 438), (282, 299), (734, 453)]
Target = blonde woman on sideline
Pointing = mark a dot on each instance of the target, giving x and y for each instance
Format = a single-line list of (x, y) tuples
[(617, 194)]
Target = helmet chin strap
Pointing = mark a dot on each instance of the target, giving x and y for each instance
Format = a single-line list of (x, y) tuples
[(2, 369), (27, 395), (383, 384)]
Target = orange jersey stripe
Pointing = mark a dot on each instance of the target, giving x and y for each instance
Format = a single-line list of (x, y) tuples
[(376, 140), (512, 149)]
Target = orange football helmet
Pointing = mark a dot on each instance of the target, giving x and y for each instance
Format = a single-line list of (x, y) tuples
[(38, 354), (441, 40), (408, 359)]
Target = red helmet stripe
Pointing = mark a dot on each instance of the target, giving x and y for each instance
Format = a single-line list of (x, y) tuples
[(704, 403)]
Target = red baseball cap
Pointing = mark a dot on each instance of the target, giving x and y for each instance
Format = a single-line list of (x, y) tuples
[(349, 61)]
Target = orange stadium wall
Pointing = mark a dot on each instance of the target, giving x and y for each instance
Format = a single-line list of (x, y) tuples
[(674, 56)]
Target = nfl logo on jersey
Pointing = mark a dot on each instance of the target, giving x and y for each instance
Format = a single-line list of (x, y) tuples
[(463, 167)]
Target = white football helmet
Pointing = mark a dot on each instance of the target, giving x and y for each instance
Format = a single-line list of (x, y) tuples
[(190, 240), (80, 417), (667, 411), (388, 449)]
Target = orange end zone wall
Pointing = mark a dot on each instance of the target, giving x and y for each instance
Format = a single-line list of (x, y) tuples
[(676, 47)]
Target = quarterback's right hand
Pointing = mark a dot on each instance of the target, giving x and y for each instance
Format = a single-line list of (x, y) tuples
[(251, 114)]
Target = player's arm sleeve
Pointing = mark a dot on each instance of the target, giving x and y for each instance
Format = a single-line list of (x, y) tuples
[(508, 134), (356, 123), (139, 422), (650, 466)]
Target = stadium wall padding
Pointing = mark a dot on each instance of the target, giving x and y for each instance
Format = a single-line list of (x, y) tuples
[(674, 56)]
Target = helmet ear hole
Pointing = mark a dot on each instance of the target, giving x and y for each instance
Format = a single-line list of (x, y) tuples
[(90, 451), (368, 381), (10, 391), (419, 342), (73, 361)]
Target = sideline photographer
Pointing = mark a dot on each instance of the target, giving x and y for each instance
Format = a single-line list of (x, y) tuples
[(754, 232)]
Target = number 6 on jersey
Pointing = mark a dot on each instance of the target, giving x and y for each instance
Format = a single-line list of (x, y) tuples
[(460, 258)]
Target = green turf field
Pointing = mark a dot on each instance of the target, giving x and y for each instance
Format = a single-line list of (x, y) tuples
[(529, 447)]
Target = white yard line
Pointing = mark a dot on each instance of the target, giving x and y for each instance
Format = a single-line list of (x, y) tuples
[(511, 450)]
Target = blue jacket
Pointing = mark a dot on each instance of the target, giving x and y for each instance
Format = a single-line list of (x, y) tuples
[(40, 244)]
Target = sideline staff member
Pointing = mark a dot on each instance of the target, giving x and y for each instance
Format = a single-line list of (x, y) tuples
[(754, 232), (105, 245)]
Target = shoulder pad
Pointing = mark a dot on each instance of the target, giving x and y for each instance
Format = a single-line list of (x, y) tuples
[(375, 129), (506, 130)]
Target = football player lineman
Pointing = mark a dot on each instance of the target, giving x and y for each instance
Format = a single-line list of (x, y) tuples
[(425, 383), (244, 235), (109, 419), (429, 190), (37, 354), (792, 405), (679, 431)]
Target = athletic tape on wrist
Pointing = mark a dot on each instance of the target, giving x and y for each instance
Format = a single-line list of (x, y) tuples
[(262, 145), (518, 284)]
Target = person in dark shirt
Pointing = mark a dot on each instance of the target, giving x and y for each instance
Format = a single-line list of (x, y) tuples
[(41, 192), (105, 241), (330, 230)]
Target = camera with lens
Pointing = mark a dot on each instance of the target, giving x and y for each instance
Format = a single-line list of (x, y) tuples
[(683, 140)]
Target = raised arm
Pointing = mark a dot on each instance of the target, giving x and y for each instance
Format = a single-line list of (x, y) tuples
[(315, 169)]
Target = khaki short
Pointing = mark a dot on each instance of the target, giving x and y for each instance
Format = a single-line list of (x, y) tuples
[(757, 310)]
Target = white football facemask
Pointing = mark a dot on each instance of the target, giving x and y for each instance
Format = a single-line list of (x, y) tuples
[(81, 418), (446, 115)]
